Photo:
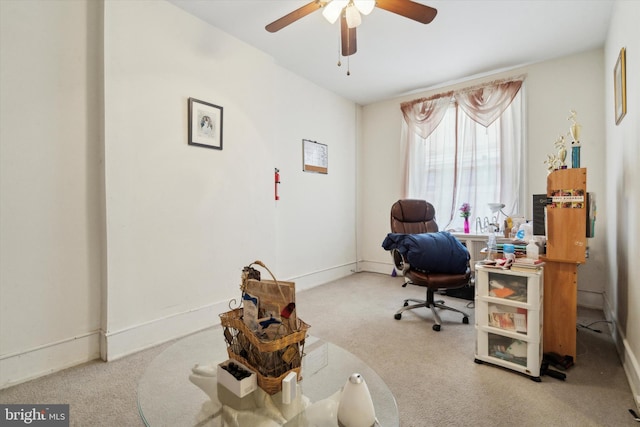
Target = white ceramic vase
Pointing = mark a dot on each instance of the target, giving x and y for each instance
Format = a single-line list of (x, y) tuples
[(356, 407)]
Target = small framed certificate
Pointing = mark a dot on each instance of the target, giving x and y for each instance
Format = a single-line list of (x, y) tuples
[(315, 157)]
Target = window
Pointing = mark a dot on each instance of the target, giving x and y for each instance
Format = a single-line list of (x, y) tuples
[(466, 147)]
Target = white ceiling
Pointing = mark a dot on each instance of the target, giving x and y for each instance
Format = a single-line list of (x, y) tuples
[(397, 56)]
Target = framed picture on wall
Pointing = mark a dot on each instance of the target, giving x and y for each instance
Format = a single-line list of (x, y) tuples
[(620, 86), (205, 124), (315, 157)]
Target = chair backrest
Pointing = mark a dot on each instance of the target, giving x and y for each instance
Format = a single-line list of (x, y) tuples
[(413, 216)]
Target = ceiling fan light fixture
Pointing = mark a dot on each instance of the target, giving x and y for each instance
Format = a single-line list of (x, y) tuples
[(349, 13), (333, 10), (353, 16), (365, 6)]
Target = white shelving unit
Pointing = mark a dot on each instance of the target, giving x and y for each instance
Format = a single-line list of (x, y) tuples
[(509, 319)]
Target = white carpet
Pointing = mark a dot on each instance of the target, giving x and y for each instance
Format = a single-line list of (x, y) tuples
[(432, 374)]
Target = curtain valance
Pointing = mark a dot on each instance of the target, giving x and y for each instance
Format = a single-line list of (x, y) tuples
[(483, 104), (486, 104), (425, 114)]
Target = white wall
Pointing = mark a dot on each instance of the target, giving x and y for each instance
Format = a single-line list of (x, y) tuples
[(182, 221), (623, 192), (50, 196), (116, 234), (553, 88)]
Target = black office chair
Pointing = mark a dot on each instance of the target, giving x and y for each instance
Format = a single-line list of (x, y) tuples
[(416, 217)]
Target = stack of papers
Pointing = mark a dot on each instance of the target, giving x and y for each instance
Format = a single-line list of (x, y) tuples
[(527, 265)]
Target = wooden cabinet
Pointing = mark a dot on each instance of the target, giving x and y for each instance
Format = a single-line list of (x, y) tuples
[(566, 249), (509, 315), (567, 215)]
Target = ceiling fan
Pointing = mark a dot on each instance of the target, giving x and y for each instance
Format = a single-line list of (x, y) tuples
[(349, 13)]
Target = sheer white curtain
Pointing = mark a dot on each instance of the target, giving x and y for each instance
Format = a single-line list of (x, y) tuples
[(421, 118), (463, 161)]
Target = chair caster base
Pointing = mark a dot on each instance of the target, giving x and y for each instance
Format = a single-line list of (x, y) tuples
[(436, 328), (397, 316), (465, 320)]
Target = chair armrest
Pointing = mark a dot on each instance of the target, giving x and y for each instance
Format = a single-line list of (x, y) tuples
[(399, 261)]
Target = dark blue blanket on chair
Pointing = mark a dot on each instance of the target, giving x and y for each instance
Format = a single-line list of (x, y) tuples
[(438, 252)]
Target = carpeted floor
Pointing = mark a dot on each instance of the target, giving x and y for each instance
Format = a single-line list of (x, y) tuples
[(432, 374)]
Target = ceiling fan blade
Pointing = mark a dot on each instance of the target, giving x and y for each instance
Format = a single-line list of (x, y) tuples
[(409, 9), (348, 37), (292, 17)]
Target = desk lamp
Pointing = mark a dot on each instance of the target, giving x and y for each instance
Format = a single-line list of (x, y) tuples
[(496, 210)]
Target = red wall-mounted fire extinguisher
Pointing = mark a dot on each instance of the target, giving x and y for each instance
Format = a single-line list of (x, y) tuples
[(277, 177)]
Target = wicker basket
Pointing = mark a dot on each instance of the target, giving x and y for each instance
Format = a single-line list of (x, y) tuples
[(272, 360)]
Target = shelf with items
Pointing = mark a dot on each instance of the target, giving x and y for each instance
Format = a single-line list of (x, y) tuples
[(508, 287), (509, 352), (509, 308), (508, 318)]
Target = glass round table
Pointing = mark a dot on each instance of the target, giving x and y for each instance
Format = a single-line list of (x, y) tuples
[(168, 397)]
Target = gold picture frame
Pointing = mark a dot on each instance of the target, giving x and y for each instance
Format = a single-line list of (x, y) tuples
[(620, 86)]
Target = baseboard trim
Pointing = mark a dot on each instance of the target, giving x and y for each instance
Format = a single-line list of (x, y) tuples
[(316, 278), (139, 337), (376, 267), (627, 356), (33, 363), (590, 299), (19, 367)]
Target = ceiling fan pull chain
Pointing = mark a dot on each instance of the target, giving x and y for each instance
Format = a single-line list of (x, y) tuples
[(348, 56)]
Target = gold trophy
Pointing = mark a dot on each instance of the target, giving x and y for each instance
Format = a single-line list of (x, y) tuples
[(562, 152), (574, 130)]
